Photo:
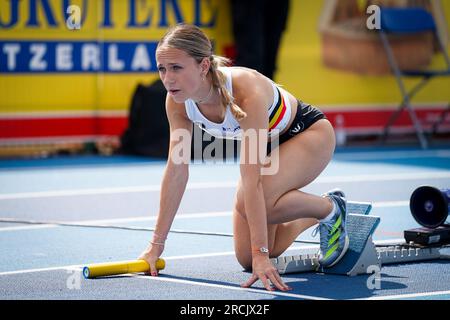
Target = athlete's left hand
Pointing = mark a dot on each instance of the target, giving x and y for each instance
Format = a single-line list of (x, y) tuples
[(265, 271)]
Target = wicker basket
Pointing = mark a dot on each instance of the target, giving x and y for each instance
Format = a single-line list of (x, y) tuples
[(347, 43), (350, 46)]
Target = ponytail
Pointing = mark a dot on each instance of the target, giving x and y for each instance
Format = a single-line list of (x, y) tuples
[(218, 81)]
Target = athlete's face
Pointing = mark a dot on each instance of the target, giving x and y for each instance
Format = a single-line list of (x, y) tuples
[(180, 73)]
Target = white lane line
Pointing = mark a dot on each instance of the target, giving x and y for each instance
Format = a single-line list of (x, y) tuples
[(443, 174), (104, 222), (99, 191), (201, 215), (389, 204), (203, 255), (73, 267), (409, 295), (34, 227), (231, 253), (230, 287)]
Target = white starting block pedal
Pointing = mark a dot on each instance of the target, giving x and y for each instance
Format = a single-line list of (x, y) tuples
[(362, 254)]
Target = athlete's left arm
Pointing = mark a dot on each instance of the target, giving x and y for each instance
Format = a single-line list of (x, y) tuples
[(253, 152), (253, 148)]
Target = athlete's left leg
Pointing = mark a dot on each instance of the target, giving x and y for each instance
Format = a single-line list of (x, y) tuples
[(301, 160), (289, 211)]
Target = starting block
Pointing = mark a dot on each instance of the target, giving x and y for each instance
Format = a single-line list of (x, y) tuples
[(362, 255), (356, 207)]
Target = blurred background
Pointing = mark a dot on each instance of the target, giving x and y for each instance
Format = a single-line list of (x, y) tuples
[(84, 80)]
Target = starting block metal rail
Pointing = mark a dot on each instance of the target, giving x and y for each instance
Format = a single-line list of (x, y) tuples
[(362, 255)]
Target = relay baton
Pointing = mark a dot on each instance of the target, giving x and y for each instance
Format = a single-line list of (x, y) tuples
[(120, 267)]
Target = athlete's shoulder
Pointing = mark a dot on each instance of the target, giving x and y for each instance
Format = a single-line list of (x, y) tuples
[(250, 84), (244, 75)]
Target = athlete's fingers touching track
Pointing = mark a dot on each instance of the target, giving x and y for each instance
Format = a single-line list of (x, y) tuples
[(278, 282), (255, 278), (266, 279), (265, 282)]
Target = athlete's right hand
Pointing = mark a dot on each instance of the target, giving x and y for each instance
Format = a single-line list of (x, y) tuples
[(151, 255)]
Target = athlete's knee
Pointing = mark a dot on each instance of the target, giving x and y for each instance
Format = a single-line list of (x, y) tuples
[(243, 253)]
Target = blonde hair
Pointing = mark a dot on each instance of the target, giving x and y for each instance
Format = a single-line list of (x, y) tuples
[(195, 43)]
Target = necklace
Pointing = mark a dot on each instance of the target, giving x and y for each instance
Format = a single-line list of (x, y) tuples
[(207, 97)]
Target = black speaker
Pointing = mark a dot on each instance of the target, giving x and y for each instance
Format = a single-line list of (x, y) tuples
[(430, 206)]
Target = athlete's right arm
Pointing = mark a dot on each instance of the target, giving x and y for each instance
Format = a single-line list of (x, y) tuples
[(176, 173), (174, 180)]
